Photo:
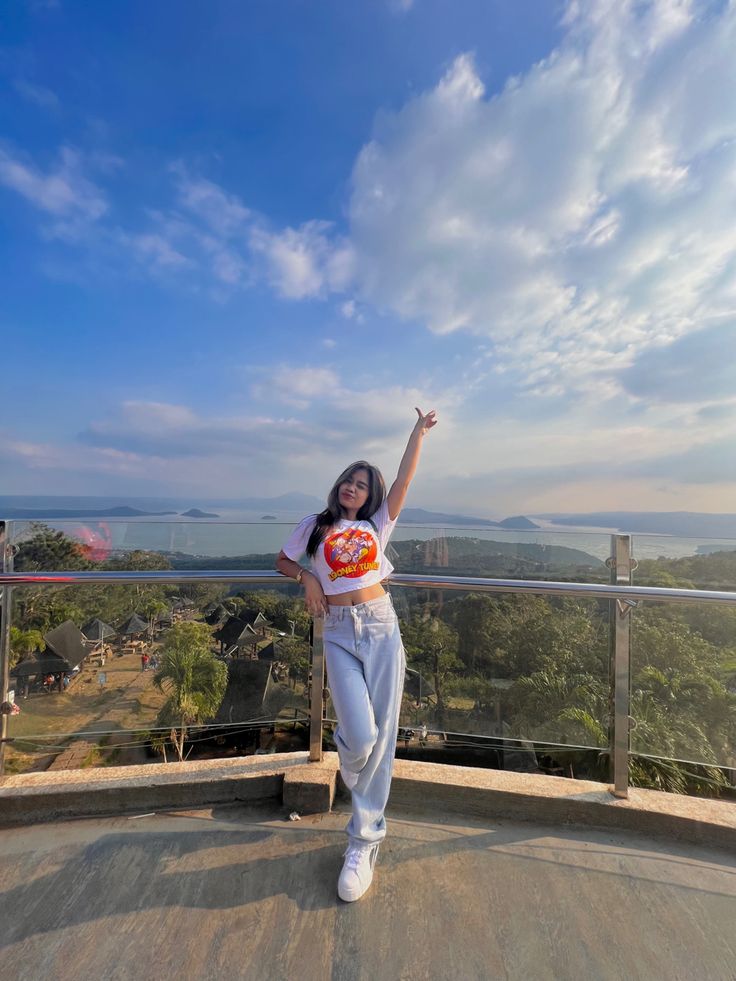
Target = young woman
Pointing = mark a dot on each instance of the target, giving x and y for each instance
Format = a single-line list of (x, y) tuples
[(363, 649)]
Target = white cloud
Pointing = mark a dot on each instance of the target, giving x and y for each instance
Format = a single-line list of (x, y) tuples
[(155, 248), (63, 192), (262, 451), (295, 386), (349, 310), (576, 218), (39, 95), (304, 262), (176, 432), (342, 410), (223, 212), (66, 459), (579, 216)]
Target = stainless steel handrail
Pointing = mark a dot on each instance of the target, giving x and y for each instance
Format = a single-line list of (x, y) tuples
[(540, 586)]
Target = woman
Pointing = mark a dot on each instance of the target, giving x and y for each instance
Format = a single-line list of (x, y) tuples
[(363, 649)]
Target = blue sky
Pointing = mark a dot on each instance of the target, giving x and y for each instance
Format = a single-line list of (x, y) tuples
[(240, 241)]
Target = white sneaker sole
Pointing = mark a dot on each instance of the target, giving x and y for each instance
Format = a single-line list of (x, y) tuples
[(351, 895)]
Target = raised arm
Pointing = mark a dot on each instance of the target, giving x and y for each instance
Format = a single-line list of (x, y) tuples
[(409, 461)]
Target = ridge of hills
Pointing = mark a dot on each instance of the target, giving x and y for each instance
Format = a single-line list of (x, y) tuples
[(681, 524)]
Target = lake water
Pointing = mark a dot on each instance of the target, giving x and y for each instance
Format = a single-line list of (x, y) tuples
[(239, 532)]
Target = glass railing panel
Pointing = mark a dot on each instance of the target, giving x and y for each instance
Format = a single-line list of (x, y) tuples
[(498, 553), (85, 661), (205, 543), (686, 563), (683, 689), (115, 543), (505, 681)]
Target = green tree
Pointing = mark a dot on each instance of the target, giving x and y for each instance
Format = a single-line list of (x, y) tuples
[(43, 608), (473, 619), (191, 677), (431, 646), (48, 550), (294, 652), (265, 601), (514, 636), (24, 642), (556, 706)]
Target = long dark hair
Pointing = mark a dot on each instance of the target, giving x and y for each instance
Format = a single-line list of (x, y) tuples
[(333, 512)]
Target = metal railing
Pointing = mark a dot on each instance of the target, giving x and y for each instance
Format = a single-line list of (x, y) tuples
[(623, 598)]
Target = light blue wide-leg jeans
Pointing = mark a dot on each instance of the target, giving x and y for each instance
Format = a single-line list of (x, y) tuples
[(365, 668)]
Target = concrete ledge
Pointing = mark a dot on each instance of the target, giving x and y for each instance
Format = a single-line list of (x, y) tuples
[(310, 789), (34, 797), (529, 797)]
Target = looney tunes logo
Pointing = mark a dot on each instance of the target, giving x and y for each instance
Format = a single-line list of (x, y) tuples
[(351, 553)]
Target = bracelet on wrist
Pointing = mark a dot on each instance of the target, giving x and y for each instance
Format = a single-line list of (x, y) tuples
[(299, 576)]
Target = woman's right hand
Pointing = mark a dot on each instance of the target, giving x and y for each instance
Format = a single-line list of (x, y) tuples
[(314, 597)]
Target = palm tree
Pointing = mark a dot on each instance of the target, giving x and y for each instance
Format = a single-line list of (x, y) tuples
[(192, 678), (562, 707), (24, 642)]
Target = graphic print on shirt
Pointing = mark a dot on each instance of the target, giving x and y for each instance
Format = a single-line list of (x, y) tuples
[(351, 553)]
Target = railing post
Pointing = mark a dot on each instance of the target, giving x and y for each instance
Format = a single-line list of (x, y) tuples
[(316, 690), (5, 615), (621, 567)]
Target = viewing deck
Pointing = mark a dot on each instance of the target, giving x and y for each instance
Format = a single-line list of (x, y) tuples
[(237, 890), (195, 871)]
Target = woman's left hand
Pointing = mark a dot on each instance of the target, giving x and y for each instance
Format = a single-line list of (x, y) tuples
[(425, 423)]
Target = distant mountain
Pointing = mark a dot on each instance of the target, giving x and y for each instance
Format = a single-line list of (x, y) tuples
[(196, 513), (519, 522), (418, 516), (38, 514), (681, 524)]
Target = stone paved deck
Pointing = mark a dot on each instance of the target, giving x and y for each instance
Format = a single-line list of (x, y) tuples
[(237, 891)]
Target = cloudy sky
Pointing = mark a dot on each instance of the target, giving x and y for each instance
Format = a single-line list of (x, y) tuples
[(239, 242)]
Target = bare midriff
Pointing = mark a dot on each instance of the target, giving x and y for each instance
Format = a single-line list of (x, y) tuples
[(357, 596)]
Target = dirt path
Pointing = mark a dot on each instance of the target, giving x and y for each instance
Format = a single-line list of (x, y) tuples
[(102, 734), (127, 700)]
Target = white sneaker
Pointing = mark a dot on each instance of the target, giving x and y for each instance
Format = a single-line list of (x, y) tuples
[(348, 778), (357, 872)]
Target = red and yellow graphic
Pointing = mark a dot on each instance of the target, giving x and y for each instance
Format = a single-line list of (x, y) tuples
[(351, 553)]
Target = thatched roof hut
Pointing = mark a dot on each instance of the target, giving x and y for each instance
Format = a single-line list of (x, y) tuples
[(39, 662), (67, 642), (97, 630), (133, 625)]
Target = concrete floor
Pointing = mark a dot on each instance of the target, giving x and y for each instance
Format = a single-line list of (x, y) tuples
[(238, 892)]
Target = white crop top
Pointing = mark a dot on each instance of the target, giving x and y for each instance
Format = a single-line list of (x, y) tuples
[(351, 555)]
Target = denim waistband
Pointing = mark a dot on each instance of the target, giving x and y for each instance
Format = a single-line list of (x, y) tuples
[(361, 609)]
